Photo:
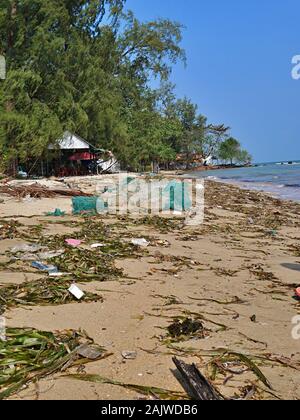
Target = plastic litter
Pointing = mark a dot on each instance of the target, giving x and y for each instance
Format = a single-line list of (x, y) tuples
[(40, 256), (129, 355), (34, 252), (83, 205), (28, 199), (26, 257), (42, 267), (297, 291), (75, 291), (50, 254), (73, 242), (140, 242), (57, 274), (56, 213), (25, 248), (91, 352), (95, 246)]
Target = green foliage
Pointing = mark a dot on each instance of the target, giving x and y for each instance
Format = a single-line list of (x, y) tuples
[(85, 66), (230, 150), (244, 157), (81, 66), (28, 355), (196, 136)]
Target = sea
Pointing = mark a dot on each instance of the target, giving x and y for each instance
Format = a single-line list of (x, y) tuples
[(280, 179)]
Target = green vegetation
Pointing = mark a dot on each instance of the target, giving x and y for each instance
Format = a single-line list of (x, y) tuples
[(27, 355), (85, 66), (148, 391), (231, 151)]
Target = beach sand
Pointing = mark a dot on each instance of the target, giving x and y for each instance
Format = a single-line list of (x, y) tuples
[(238, 271)]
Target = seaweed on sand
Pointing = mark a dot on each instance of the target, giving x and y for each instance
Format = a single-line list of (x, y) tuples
[(169, 300), (89, 230), (194, 316), (178, 261), (163, 224), (225, 360), (183, 328), (186, 329), (9, 229), (40, 293), (27, 355), (295, 248), (148, 391), (235, 301), (259, 272), (86, 265), (223, 272)]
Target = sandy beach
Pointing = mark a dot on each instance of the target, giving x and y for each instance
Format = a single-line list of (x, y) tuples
[(232, 278)]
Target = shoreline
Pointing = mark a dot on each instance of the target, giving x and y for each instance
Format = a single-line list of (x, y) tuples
[(256, 187), (237, 272), (273, 190), (277, 190)]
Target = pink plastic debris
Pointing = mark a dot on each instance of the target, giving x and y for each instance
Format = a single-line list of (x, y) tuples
[(73, 242)]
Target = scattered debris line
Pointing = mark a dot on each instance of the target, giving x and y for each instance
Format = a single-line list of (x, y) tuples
[(38, 191)]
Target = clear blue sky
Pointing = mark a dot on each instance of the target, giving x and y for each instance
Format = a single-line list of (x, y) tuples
[(239, 67)]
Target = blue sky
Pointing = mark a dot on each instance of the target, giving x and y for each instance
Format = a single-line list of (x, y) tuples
[(239, 67)]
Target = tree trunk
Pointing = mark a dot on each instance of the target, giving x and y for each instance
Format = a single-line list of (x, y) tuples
[(13, 13), (9, 105)]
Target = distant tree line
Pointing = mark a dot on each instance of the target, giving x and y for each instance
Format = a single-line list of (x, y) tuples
[(230, 151), (85, 66)]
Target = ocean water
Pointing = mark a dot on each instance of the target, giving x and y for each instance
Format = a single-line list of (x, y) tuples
[(279, 179)]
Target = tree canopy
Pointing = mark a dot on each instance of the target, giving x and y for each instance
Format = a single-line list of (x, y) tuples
[(86, 66), (231, 151)]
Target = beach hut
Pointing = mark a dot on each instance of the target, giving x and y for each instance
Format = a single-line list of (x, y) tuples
[(75, 156), (78, 157), (71, 142), (71, 156)]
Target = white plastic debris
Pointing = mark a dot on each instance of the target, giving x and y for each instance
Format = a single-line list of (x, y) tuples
[(94, 246), (129, 355), (140, 242), (25, 248), (25, 257), (75, 291), (57, 274), (50, 254), (28, 199), (90, 352)]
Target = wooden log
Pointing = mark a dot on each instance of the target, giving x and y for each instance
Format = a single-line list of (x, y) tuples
[(195, 384)]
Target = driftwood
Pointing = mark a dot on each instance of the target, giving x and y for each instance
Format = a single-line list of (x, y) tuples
[(195, 384), (39, 191)]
